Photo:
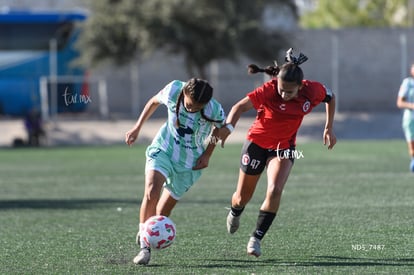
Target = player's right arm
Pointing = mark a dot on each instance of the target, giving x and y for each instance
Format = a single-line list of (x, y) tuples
[(402, 103), (236, 111), (146, 113)]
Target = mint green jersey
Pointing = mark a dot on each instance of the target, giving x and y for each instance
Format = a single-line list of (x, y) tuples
[(407, 92), (185, 144)]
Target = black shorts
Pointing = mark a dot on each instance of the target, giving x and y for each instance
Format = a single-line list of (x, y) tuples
[(254, 158)]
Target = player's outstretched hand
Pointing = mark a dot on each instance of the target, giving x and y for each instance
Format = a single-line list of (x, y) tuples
[(329, 138), (202, 162), (131, 136), (223, 134)]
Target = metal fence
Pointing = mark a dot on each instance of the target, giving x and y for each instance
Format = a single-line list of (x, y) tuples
[(364, 67)]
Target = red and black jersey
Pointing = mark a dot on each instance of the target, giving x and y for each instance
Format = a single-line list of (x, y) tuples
[(277, 120)]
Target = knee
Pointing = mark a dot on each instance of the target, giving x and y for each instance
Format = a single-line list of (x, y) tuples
[(152, 191)]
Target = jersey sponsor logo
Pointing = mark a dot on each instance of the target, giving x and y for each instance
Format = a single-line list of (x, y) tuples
[(185, 131), (306, 106)]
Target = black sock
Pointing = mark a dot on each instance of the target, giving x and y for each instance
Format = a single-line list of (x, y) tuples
[(236, 211), (264, 221)]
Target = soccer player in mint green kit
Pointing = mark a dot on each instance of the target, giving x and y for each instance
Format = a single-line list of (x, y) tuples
[(181, 148), (405, 101)]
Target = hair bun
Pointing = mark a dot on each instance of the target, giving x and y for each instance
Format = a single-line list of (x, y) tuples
[(272, 70)]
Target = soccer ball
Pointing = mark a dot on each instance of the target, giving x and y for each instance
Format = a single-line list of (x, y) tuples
[(159, 232)]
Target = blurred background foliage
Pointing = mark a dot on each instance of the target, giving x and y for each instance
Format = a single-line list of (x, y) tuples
[(201, 30), (358, 13)]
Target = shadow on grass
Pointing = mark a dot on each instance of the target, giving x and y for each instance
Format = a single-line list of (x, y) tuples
[(87, 203), (349, 261), (62, 203), (128, 262), (318, 261)]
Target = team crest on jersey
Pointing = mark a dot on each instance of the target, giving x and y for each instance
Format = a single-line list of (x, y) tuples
[(245, 159), (306, 106)]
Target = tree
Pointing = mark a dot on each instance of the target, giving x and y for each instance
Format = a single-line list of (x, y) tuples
[(201, 30), (359, 13)]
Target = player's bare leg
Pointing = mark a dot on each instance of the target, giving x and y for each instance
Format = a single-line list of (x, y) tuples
[(278, 171), (166, 204), (411, 152), (244, 192), (154, 181)]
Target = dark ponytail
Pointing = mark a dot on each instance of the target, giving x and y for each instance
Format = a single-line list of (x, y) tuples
[(289, 71), (177, 107), (269, 70)]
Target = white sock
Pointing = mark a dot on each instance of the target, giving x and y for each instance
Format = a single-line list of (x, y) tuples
[(141, 241)]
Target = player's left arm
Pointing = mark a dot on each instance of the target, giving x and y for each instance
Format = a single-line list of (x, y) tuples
[(329, 137)]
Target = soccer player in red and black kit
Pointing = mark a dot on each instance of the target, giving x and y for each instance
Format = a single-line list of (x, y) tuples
[(281, 104)]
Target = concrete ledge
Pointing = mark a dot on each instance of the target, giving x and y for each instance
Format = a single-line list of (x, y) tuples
[(98, 132)]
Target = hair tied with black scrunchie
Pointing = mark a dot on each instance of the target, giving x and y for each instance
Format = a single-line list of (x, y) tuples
[(297, 60)]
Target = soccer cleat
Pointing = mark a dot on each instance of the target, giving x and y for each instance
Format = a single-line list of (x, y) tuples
[(253, 247), (412, 165), (233, 223), (143, 256)]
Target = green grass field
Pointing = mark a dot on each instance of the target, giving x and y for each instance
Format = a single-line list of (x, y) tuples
[(75, 210)]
